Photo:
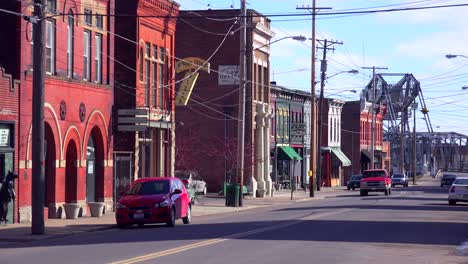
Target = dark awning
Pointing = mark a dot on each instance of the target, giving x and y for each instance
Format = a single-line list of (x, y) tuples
[(289, 153), (366, 153), (345, 162)]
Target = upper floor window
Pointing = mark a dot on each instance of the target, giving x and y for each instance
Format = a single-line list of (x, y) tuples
[(140, 72), (88, 17), (99, 22), (87, 55), (70, 45), (161, 76), (98, 57), (147, 72), (51, 6), (50, 47)]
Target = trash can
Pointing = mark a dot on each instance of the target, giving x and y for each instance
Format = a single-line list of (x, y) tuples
[(232, 194)]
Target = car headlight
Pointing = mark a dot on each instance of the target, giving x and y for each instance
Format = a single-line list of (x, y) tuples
[(120, 206), (162, 204)]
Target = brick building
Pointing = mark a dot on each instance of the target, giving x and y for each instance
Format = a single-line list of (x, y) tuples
[(78, 101), (356, 136), (334, 161), (144, 89), (208, 139)]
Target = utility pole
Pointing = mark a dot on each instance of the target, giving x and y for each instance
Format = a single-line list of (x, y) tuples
[(38, 178), (326, 45), (373, 112), (241, 116), (414, 105), (313, 103)]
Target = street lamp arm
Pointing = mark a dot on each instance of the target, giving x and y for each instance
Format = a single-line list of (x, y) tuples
[(451, 56), (298, 38)]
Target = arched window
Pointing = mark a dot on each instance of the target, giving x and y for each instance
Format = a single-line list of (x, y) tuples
[(141, 57)]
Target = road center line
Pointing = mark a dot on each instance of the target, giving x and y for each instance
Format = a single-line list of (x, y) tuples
[(219, 240)]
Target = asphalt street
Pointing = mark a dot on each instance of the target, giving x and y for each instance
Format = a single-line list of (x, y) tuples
[(413, 225)]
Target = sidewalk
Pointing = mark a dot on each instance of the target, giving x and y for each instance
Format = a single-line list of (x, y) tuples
[(208, 205)]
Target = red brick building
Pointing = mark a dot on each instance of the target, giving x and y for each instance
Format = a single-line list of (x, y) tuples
[(144, 89), (207, 141), (78, 102), (356, 136)]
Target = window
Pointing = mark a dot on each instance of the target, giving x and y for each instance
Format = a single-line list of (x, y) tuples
[(161, 79), (147, 73), (154, 84), (99, 22), (88, 16), (266, 84), (51, 6), (70, 38), (140, 73), (50, 47), (32, 46), (86, 55), (98, 57)]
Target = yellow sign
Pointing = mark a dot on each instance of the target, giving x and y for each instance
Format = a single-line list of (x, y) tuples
[(192, 65), (185, 89)]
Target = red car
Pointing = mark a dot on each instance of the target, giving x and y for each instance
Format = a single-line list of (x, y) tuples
[(154, 200), (376, 180)]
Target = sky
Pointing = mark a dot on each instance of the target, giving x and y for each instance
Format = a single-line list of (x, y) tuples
[(405, 42)]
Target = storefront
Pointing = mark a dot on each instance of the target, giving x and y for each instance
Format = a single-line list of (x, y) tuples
[(7, 157)]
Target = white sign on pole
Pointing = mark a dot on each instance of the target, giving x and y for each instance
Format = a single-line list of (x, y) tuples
[(228, 75)]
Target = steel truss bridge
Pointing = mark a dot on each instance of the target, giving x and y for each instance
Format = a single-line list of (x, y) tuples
[(434, 150)]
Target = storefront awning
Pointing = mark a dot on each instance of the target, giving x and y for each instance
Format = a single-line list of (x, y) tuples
[(341, 156), (289, 153), (366, 153)]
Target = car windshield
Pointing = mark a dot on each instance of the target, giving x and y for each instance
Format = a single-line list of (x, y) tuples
[(182, 175), (398, 176), (461, 181), (449, 176), (377, 173), (149, 188), (356, 177)]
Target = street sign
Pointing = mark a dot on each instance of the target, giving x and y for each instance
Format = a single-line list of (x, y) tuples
[(132, 112), (132, 120), (131, 128)]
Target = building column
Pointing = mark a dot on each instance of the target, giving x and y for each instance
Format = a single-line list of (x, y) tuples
[(260, 157), (266, 153)]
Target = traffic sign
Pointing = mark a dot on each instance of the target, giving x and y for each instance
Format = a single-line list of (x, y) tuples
[(132, 112), (131, 128), (132, 120)]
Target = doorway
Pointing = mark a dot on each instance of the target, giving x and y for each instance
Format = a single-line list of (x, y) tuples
[(6, 164)]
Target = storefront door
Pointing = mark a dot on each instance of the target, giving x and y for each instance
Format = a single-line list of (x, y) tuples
[(6, 164)]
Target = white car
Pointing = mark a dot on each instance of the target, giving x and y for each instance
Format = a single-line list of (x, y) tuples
[(458, 192)]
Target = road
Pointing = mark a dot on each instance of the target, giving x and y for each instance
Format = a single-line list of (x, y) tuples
[(413, 225)]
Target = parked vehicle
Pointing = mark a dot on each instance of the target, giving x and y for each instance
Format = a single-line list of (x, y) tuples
[(154, 200), (399, 179), (194, 181), (447, 179), (354, 182), (458, 192), (376, 180)]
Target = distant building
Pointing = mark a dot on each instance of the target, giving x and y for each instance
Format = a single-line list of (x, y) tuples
[(334, 161)]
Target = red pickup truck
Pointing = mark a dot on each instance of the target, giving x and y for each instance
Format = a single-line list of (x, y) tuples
[(376, 180)]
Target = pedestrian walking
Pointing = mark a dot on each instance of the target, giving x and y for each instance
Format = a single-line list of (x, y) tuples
[(7, 194)]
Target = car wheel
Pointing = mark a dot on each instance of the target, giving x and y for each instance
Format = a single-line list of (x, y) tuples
[(205, 191), (121, 226), (452, 202), (393, 185), (188, 218), (363, 193), (354, 188), (141, 225), (441, 185), (390, 191), (172, 219), (348, 188), (387, 192), (406, 185)]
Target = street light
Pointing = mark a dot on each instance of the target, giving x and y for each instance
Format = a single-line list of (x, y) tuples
[(351, 91), (298, 38), (465, 88), (350, 71), (452, 56)]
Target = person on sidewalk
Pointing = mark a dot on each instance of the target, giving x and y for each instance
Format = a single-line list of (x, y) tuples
[(7, 194)]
